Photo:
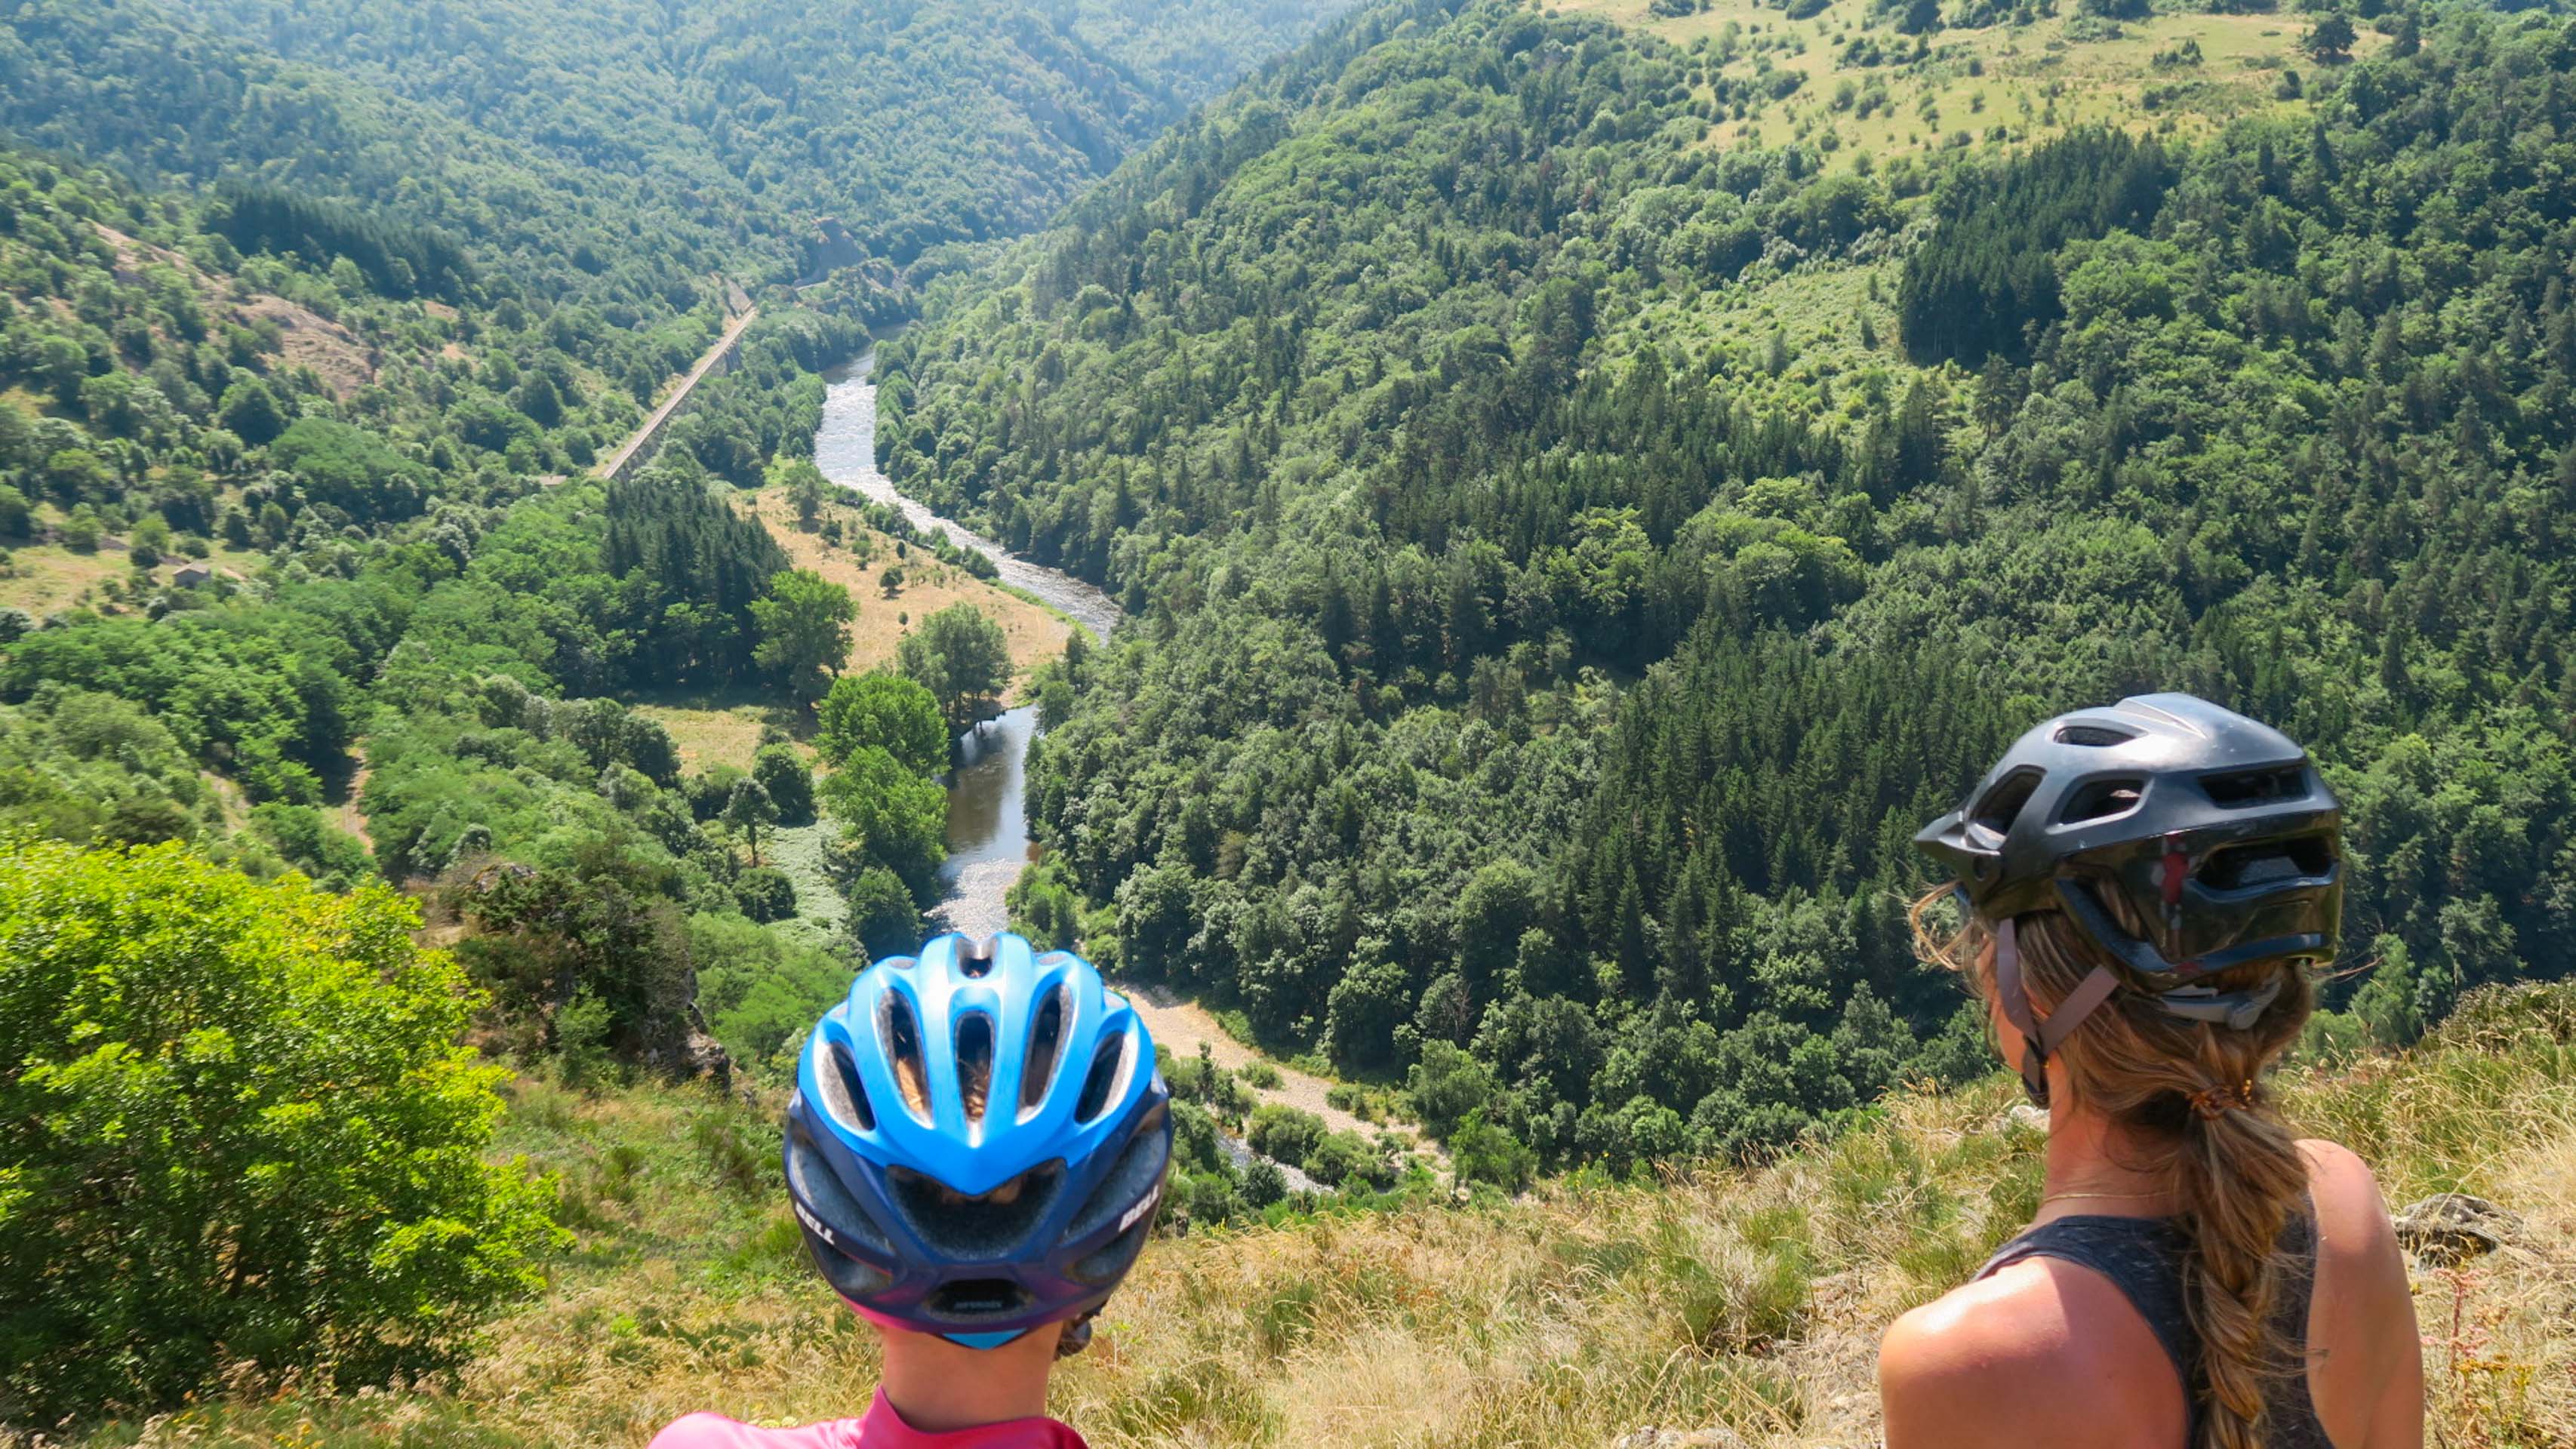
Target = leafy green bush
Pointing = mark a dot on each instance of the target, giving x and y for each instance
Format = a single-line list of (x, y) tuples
[(313, 845), (236, 1127), (760, 991), (1199, 1079), (1285, 1133), (765, 894), (897, 817), (789, 781), (883, 919), (1348, 1158), (1445, 1087), (888, 711), (1479, 1151)]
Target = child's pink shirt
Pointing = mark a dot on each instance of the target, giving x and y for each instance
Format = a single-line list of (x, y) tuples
[(883, 1428)]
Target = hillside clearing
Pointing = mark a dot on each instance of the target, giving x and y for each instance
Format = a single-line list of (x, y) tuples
[(1997, 85), (927, 586)]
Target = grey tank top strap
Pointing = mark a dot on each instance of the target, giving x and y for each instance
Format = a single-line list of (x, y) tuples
[(2143, 1258)]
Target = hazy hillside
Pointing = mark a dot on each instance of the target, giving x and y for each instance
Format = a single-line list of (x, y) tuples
[(1585, 524), (734, 126)]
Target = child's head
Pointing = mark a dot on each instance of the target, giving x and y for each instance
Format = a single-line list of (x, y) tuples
[(977, 1144)]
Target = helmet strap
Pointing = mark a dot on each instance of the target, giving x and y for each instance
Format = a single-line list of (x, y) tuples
[(2041, 1039)]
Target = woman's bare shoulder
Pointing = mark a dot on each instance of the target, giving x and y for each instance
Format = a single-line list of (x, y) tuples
[(2002, 1356), (2352, 1217)]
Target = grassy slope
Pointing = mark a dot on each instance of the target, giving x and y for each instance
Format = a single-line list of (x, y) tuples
[(1750, 1299), (2035, 83)]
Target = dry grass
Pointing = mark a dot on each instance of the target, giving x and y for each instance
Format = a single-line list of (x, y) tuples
[(47, 578), (709, 732), (1748, 1299), (928, 587), (2035, 81)]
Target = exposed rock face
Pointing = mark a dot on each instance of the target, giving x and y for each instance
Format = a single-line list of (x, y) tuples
[(2453, 1227)]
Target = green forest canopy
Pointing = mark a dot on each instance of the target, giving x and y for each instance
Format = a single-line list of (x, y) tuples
[(1529, 667)]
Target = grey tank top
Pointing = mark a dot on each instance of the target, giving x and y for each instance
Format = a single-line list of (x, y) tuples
[(2143, 1258)]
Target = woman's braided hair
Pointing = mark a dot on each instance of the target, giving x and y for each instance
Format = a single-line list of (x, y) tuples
[(2193, 1092)]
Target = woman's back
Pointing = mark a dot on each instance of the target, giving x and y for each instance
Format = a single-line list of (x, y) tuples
[(2095, 1303)]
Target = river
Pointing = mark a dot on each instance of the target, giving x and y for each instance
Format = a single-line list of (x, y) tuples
[(988, 825)]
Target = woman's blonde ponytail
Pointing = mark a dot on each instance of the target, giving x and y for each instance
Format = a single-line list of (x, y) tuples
[(2193, 1091), (2238, 1176)]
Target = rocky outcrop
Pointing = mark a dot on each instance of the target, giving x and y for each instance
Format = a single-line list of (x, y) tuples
[(2453, 1227)]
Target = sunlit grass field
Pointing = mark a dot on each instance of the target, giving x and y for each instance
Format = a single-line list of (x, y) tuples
[(1744, 1298), (1999, 85)]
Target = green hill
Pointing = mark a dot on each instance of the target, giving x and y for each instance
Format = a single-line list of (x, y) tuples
[(1576, 552), (727, 130)]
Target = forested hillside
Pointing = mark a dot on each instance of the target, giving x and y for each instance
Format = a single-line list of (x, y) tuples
[(1578, 543), (321, 643), (724, 131)]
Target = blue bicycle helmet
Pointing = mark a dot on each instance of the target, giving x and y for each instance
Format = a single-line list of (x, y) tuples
[(978, 1140)]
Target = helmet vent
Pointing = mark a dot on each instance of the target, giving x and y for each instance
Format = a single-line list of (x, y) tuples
[(986, 1227), (2095, 736), (810, 1180), (1046, 1048), (902, 1035), (1108, 1072), (2270, 863), (2102, 800), (844, 1095), (2248, 788), (2002, 805), (971, 1300), (975, 961), (975, 1062)]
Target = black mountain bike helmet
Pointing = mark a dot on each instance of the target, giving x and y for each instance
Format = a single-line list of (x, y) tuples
[(2214, 830)]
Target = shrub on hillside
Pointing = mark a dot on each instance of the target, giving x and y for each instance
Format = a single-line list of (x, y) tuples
[(760, 990), (789, 780), (1343, 1159), (1199, 1079), (236, 1128), (1284, 1133), (882, 919), (1479, 1151), (765, 894)]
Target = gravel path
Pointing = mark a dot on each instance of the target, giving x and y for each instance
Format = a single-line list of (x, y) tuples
[(1180, 1025)]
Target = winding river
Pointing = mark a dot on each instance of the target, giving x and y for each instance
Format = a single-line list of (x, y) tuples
[(988, 826)]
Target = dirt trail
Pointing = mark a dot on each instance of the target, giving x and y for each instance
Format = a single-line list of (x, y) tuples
[(1180, 1025), (352, 819)]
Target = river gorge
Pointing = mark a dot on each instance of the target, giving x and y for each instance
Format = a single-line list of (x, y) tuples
[(988, 834)]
